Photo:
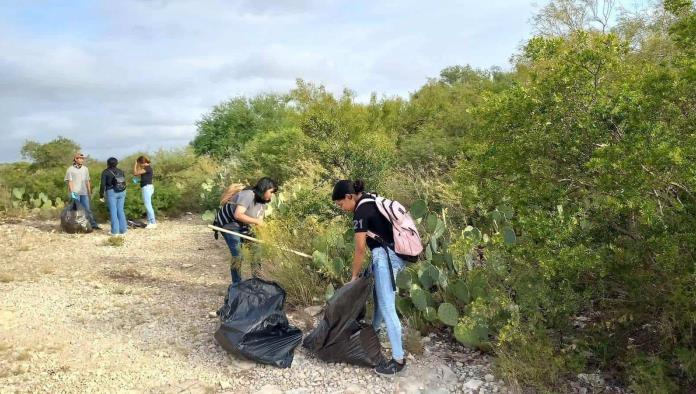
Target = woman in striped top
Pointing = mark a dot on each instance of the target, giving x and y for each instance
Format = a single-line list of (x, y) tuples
[(239, 210)]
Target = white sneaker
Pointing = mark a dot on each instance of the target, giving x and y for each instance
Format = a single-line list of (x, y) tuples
[(151, 225)]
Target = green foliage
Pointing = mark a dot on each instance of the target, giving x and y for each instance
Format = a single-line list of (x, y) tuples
[(650, 375), (231, 124), (448, 314), (56, 153)]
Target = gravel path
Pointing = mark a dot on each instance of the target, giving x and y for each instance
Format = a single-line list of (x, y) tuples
[(77, 315)]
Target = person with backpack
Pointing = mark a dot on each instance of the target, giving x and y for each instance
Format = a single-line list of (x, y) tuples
[(113, 183), (384, 227), (241, 208), (143, 169), (80, 186)]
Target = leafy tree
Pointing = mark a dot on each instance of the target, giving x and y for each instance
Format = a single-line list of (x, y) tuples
[(56, 153), (233, 123)]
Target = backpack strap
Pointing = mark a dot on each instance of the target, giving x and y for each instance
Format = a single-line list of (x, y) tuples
[(391, 269)]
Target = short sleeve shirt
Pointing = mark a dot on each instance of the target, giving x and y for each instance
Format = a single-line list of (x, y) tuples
[(79, 178), (146, 178), (247, 199), (368, 218)]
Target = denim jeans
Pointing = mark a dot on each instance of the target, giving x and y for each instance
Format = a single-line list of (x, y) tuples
[(385, 303), (116, 202), (84, 201), (234, 243), (148, 191)]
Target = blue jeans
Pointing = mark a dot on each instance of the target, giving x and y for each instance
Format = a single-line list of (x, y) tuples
[(234, 243), (116, 202), (385, 303), (84, 201), (148, 191)]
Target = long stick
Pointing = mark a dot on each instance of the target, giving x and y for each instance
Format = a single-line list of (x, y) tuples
[(223, 230)]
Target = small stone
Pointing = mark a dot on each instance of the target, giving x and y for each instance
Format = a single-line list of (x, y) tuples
[(212, 315), (186, 265), (473, 384), (225, 385), (489, 378)]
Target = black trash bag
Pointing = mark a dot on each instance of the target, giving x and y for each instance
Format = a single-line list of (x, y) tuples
[(74, 219), (254, 324), (342, 335), (136, 224)]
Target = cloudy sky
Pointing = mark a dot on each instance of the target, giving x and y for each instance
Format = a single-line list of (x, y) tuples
[(133, 75)]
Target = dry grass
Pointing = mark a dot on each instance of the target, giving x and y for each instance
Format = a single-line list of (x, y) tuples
[(114, 241), (125, 274), (6, 277), (412, 342), (121, 290), (47, 270)]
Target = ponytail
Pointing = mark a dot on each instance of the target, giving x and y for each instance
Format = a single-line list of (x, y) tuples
[(358, 186), (230, 192)]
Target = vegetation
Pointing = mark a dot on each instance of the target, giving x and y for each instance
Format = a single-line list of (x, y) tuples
[(556, 199)]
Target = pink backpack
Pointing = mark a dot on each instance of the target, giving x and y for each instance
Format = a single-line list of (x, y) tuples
[(407, 241)]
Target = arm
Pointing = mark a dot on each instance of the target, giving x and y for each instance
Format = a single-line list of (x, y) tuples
[(138, 170), (244, 218), (102, 185), (358, 254)]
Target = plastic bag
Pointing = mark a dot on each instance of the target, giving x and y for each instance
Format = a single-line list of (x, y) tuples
[(254, 324), (342, 335), (74, 219), (135, 224)]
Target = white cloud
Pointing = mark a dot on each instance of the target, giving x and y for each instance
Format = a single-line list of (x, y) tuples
[(136, 74)]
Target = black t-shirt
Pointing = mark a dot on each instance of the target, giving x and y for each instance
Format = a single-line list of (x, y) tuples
[(146, 178), (367, 218)]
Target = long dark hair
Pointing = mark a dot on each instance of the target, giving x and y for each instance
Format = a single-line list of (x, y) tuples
[(343, 187), (262, 186)]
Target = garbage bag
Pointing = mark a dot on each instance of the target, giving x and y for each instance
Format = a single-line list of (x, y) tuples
[(342, 335), (254, 324), (135, 224), (74, 218)]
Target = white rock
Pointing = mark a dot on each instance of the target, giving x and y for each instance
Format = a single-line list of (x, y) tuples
[(313, 310), (473, 384), (489, 378), (354, 389), (212, 315), (448, 376)]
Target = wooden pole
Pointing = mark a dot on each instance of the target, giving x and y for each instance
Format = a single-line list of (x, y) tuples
[(258, 241)]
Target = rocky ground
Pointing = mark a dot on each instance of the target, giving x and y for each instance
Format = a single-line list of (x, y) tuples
[(78, 314)]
